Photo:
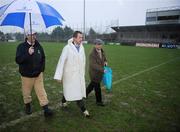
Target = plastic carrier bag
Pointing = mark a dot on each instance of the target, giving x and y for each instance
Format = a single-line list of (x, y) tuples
[(107, 78)]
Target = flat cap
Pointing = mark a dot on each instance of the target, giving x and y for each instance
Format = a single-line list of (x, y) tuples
[(98, 41)]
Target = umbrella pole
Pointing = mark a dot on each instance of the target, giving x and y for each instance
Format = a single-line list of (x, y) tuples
[(24, 34), (30, 27)]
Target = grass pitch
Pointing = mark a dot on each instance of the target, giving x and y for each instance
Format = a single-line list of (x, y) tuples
[(143, 98)]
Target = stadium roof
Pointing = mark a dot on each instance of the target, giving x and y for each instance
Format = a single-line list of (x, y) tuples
[(164, 9), (151, 28)]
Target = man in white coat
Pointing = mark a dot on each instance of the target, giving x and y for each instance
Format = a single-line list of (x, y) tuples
[(70, 71)]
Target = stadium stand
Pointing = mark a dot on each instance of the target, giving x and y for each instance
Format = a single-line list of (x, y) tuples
[(162, 28)]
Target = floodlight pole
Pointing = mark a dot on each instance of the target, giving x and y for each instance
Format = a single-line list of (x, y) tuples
[(84, 20)]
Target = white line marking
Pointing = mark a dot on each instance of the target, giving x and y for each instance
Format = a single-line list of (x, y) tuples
[(35, 114), (143, 71), (25, 118)]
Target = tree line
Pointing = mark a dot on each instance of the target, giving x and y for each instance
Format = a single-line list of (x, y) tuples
[(59, 34)]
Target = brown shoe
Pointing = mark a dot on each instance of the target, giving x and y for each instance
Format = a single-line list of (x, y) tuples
[(28, 109)]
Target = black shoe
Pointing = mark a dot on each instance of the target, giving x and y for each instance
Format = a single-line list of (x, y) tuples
[(28, 109), (100, 104), (47, 112)]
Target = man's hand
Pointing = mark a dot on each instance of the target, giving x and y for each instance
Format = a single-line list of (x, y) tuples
[(105, 63), (31, 50), (105, 71)]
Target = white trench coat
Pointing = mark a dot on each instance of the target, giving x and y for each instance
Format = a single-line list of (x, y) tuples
[(71, 71)]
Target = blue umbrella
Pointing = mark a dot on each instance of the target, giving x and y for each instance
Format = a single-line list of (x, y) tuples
[(26, 13)]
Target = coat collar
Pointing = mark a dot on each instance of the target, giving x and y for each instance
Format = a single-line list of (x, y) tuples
[(96, 53), (70, 43), (74, 48)]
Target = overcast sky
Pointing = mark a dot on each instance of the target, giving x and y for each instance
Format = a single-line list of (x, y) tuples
[(101, 14)]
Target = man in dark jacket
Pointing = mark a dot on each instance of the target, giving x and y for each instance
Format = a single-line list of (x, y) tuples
[(31, 60), (97, 61)]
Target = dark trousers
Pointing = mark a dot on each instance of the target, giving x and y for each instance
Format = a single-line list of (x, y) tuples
[(80, 103), (97, 88)]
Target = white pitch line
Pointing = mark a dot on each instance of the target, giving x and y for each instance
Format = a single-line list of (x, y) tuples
[(35, 114), (143, 71), (24, 118)]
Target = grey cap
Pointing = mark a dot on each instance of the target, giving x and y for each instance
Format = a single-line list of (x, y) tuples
[(98, 41)]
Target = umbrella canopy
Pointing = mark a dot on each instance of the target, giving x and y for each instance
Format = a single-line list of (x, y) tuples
[(26, 13)]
